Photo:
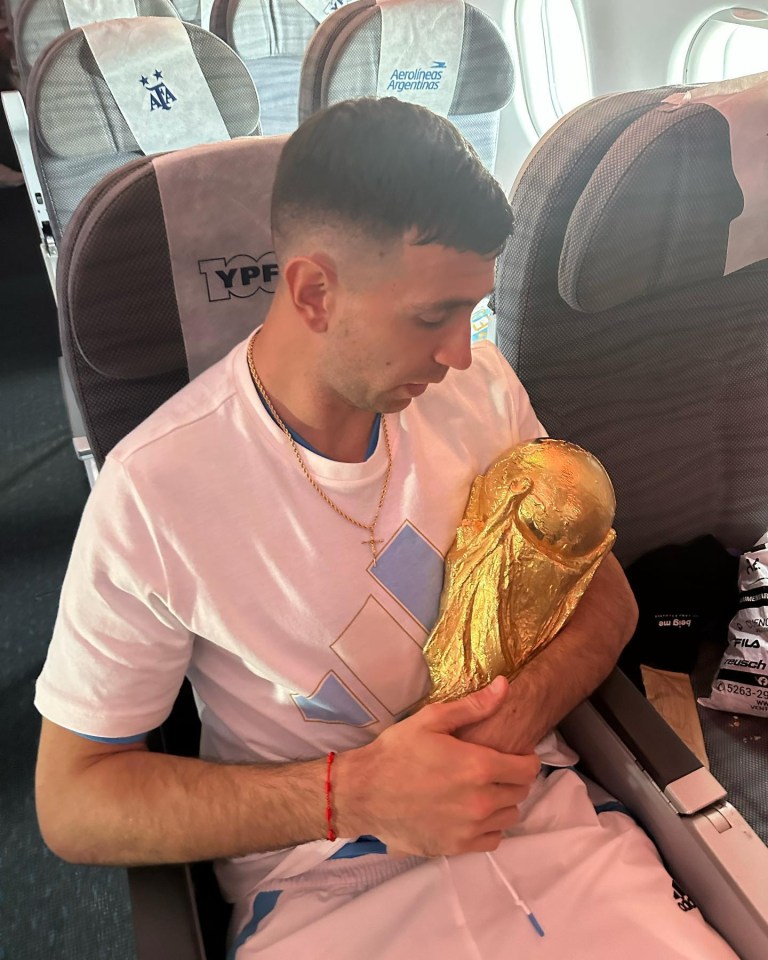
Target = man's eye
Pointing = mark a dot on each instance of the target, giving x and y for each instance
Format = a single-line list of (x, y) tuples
[(433, 321)]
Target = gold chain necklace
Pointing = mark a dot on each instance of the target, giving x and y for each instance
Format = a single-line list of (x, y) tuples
[(370, 527)]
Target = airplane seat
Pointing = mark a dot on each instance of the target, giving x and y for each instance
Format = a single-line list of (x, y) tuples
[(631, 300), (39, 22), (155, 283), (271, 39), (448, 56), (105, 93)]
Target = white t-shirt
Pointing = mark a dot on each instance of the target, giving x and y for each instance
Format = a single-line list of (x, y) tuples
[(204, 550)]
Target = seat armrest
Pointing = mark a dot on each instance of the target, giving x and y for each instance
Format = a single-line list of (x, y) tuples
[(165, 918), (706, 844), (675, 770)]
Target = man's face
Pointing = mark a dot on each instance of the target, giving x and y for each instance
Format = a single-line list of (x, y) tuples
[(401, 321)]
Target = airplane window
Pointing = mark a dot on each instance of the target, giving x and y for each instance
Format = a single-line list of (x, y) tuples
[(732, 43), (552, 58)]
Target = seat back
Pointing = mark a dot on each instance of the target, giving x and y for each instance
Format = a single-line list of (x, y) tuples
[(270, 38), (190, 10), (39, 22), (93, 107), (165, 266), (445, 54), (632, 299)]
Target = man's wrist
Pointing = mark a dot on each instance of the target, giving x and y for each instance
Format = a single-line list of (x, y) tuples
[(348, 795)]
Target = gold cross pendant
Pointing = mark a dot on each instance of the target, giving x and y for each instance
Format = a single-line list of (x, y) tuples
[(372, 541)]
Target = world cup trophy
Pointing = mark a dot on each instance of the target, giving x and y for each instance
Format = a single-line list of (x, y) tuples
[(536, 528)]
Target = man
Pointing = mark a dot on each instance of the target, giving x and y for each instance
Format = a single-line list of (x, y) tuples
[(276, 532)]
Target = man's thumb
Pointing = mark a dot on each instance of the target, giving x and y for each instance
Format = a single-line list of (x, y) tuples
[(475, 706)]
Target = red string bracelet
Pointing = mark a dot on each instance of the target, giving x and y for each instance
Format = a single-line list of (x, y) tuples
[(328, 810)]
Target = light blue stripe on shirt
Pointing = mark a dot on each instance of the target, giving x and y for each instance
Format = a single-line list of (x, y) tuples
[(136, 738)]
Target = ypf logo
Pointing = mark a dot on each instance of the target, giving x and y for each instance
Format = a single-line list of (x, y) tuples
[(160, 96), (240, 276)]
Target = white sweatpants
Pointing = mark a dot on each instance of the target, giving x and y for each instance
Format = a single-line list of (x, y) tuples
[(594, 882)]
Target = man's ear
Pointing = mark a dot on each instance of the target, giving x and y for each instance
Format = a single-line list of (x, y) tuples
[(311, 284)]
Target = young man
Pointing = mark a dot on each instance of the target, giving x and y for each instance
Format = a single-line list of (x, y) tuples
[(276, 532)]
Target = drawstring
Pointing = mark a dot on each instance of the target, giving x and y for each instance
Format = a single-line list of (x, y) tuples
[(516, 896)]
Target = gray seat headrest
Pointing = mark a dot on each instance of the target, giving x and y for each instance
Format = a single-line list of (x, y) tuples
[(656, 212), (342, 61), (79, 133), (258, 28), (39, 22), (75, 114)]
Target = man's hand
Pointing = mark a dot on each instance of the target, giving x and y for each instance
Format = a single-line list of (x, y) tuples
[(422, 791)]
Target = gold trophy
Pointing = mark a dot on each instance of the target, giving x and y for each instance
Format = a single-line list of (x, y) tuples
[(536, 527)]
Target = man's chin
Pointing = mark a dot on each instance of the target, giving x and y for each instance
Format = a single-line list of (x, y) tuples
[(393, 404)]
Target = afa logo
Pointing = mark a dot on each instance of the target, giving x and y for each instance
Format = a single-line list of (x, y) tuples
[(160, 96), (240, 276), (333, 6)]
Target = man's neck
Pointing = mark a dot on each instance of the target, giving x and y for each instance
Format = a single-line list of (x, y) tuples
[(333, 429)]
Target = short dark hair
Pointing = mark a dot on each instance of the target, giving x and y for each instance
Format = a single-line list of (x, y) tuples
[(387, 167)]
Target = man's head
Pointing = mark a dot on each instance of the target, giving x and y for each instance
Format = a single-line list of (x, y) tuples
[(386, 228)]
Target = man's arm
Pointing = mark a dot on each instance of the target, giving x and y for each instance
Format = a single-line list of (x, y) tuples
[(416, 787), (579, 658)]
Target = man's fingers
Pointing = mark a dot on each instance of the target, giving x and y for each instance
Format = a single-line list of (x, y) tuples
[(502, 820), (490, 766), (483, 703), (484, 842)]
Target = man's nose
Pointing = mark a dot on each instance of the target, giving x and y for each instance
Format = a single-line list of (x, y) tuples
[(455, 349)]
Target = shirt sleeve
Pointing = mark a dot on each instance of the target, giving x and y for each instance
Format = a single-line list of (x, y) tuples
[(118, 654)]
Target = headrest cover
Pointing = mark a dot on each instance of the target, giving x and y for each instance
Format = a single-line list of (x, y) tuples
[(153, 74), (744, 104), (216, 205), (320, 9), (80, 12), (655, 214), (421, 42)]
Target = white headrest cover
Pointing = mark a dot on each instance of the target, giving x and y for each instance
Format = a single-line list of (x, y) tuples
[(80, 12), (421, 43), (150, 68), (216, 204)]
